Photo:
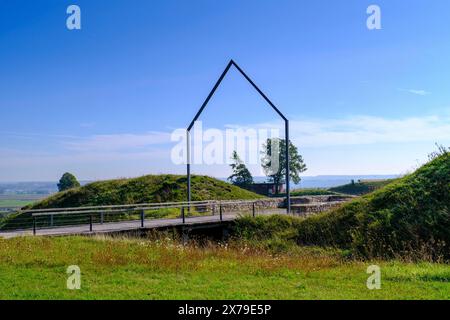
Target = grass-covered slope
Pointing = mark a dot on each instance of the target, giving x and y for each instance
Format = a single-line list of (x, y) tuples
[(356, 188), (410, 216), (361, 187), (146, 189), (311, 192)]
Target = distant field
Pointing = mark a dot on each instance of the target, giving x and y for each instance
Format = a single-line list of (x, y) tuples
[(35, 268), (22, 196), (18, 200), (14, 203)]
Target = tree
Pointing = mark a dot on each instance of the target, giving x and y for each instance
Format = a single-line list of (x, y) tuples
[(275, 166), (67, 181), (241, 175)]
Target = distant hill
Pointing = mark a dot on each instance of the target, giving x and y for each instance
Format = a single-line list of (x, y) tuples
[(354, 188), (27, 188), (327, 181), (361, 187), (311, 192), (145, 189)]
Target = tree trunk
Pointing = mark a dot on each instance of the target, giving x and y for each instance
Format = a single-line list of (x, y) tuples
[(277, 186)]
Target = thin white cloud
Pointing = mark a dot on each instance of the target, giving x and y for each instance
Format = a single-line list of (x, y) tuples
[(112, 155), (363, 130), (420, 92), (417, 92), (118, 142), (33, 135), (32, 166)]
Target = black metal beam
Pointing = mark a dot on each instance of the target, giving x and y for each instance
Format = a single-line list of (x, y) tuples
[(208, 98), (259, 91), (210, 94), (288, 191)]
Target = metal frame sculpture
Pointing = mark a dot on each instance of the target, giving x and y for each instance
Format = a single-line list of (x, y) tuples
[(286, 126)]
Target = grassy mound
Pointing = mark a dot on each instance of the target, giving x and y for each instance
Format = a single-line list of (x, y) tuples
[(361, 187), (311, 192), (146, 189), (410, 216)]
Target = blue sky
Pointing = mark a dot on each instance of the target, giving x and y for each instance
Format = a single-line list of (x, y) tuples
[(101, 101)]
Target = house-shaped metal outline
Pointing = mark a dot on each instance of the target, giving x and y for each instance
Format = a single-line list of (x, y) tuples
[(286, 126)]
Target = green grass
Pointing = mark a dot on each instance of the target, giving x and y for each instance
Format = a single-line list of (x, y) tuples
[(35, 268)]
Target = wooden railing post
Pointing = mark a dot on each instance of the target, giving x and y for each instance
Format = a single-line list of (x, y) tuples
[(34, 226), (220, 211), (253, 209), (142, 218), (90, 223)]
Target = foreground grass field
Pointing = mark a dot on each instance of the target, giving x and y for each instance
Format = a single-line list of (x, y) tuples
[(35, 268)]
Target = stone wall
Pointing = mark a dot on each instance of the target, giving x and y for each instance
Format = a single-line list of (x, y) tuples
[(304, 210), (245, 206), (301, 206)]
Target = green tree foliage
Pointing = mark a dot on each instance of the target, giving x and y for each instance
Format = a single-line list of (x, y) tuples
[(277, 172), (241, 175), (67, 181)]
